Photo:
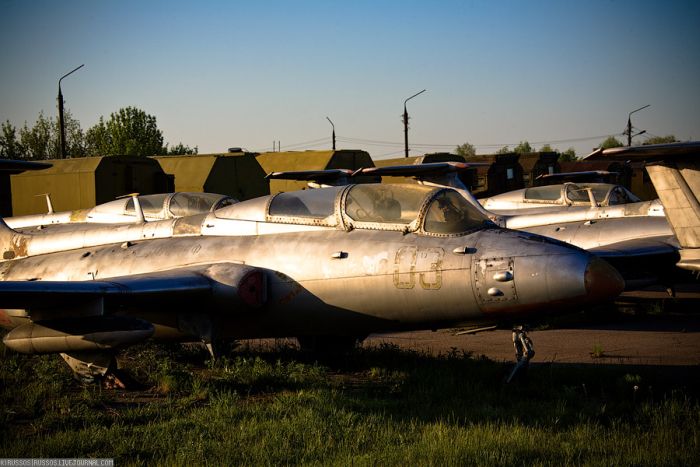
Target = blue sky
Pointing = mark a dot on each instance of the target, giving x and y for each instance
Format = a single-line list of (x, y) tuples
[(239, 73)]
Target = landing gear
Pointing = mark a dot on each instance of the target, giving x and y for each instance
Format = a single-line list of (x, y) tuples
[(524, 351), (95, 367)]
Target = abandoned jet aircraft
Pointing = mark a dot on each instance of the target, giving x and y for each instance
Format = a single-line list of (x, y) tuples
[(562, 197), (128, 209), (330, 265), (674, 170), (635, 237)]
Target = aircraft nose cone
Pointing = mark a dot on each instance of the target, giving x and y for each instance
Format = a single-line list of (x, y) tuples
[(602, 281)]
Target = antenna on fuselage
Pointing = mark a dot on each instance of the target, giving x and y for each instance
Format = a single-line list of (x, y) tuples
[(140, 218), (49, 205)]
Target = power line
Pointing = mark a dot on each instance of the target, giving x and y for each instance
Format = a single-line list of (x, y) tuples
[(398, 144), (442, 145)]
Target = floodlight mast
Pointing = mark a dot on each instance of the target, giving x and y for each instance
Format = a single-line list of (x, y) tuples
[(628, 131), (329, 120), (405, 122), (61, 122)]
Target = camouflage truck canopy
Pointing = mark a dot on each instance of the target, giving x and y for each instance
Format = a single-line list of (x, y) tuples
[(237, 175), (85, 182), (309, 160)]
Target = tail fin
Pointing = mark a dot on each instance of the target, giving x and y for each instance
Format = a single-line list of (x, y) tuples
[(677, 183)]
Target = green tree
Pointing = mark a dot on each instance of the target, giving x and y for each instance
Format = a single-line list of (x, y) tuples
[(523, 148), (661, 139), (39, 141), (179, 150), (75, 138), (10, 146), (568, 156), (466, 150), (42, 140), (504, 150), (129, 131), (97, 140), (547, 148), (611, 142)]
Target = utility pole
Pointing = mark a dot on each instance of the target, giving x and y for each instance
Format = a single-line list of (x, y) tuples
[(405, 122), (628, 130), (61, 123), (333, 132)]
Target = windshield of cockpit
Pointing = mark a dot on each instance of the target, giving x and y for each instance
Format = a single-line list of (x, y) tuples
[(578, 193), (151, 205), (450, 213), (546, 194), (311, 204), (187, 204), (389, 204)]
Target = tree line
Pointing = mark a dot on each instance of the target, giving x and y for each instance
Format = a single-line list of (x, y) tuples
[(129, 131), (467, 150)]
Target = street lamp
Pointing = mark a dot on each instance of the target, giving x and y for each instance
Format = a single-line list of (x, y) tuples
[(60, 112), (405, 121), (333, 132), (628, 131)]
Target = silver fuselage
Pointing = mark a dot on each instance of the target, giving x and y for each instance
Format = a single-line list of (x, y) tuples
[(331, 273), (380, 281)]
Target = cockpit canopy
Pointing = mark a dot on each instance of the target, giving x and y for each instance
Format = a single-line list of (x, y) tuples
[(604, 194), (163, 205), (567, 194), (407, 208)]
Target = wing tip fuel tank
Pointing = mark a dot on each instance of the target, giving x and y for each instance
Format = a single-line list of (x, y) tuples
[(81, 334)]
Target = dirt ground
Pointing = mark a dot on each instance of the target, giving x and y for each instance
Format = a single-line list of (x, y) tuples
[(652, 340)]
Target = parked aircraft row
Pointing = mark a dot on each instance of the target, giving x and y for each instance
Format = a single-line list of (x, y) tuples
[(328, 266)]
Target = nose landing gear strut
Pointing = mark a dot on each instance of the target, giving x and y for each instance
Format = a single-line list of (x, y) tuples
[(524, 351)]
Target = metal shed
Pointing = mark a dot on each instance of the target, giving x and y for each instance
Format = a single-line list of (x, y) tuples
[(504, 174), (238, 175), (85, 182), (538, 163), (309, 160), (11, 167)]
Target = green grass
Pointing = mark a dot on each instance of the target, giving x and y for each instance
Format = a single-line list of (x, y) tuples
[(376, 407)]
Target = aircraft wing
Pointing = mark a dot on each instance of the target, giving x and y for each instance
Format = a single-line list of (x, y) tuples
[(638, 247), (69, 316), (328, 174), (415, 170), (242, 283)]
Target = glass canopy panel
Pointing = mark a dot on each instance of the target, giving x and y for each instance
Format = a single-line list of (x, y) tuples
[(578, 193), (392, 204), (187, 204), (316, 204), (151, 205), (450, 213), (543, 193)]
